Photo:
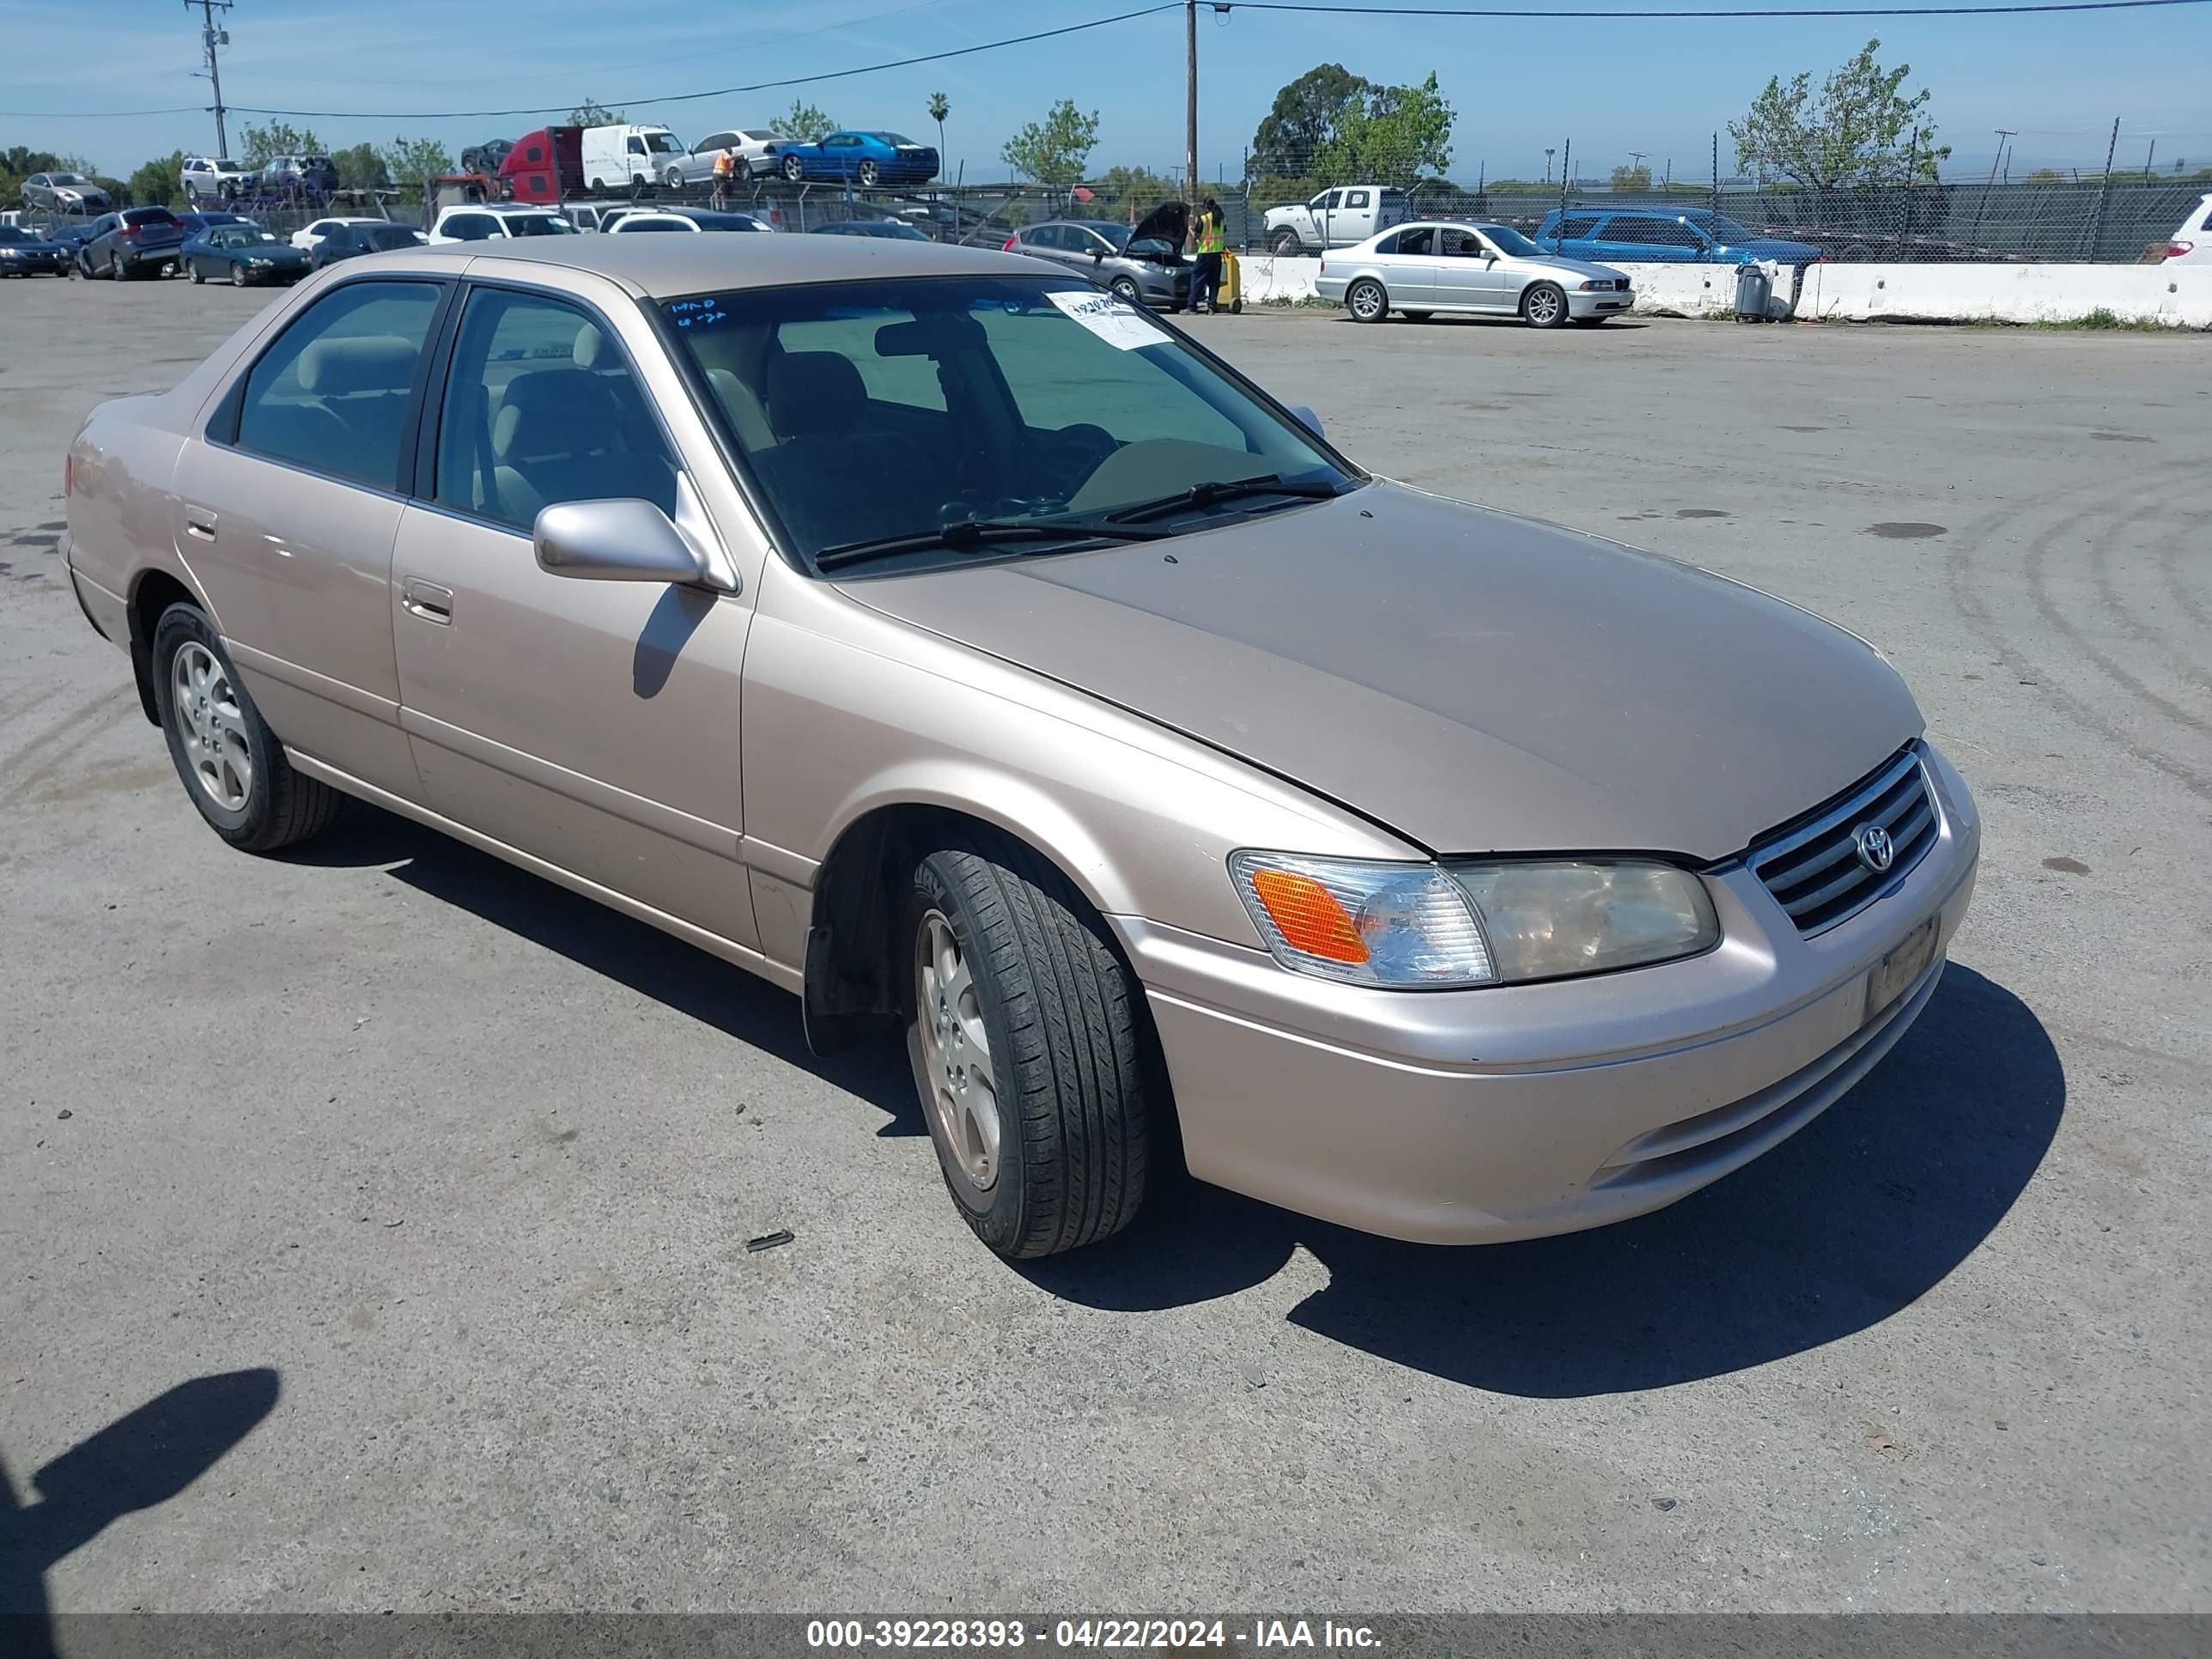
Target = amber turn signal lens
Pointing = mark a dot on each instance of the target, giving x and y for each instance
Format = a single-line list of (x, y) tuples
[(1308, 916)]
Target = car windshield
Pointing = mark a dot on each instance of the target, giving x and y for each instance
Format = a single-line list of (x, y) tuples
[(1510, 242), (1037, 403), (663, 143), (64, 179), (538, 224)]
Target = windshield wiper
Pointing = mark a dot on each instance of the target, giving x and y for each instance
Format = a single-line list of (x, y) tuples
[(1226, 489), (962, 535)]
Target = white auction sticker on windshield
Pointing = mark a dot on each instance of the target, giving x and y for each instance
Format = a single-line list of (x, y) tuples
[(1118, 322)]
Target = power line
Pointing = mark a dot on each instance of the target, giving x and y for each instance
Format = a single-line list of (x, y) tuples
[(1764, 12), (1319, 6)]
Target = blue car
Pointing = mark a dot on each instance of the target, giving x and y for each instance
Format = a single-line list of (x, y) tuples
[(1659, 235), (867, 159)]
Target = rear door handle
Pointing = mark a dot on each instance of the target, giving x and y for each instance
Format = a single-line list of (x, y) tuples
[(199, 523), (428, 600)]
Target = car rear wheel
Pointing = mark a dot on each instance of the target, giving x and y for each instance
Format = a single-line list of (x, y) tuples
[(1545, 305), (1366, 301), (1125, 287), (232, 765), (793, 169), (1285, 241), (1024, 1035)]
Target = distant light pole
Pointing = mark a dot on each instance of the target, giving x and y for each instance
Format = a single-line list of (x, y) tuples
[(1548, 154)]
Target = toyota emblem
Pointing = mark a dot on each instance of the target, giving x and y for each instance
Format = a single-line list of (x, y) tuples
[(1875, 848)]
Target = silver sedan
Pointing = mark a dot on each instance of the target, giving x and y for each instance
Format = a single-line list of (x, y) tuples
[(1487, 270)]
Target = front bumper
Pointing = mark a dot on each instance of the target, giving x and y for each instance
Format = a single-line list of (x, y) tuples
[(1613, 304), (1517, 1111)]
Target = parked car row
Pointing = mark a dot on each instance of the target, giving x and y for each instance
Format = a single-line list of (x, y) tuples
[(210, 246)]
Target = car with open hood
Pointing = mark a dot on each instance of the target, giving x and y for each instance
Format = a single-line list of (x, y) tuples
[(980, 659), (1142, 263)]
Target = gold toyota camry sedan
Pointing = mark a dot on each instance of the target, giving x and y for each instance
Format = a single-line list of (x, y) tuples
[(976, 656)]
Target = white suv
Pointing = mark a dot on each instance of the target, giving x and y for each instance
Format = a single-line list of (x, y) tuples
[(213, 178), (470, 221), (2191, 245)]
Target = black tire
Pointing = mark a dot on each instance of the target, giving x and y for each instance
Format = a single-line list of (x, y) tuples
[(1544, 305), (598, 185), (192, 269), (871, 175), (1062, 1017), (281, 808), (1367, 302), (238, 276), (793, 169), (1125, 288), (673, 178)]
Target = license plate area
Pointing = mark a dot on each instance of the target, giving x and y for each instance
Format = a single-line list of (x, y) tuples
[(1891, 977)]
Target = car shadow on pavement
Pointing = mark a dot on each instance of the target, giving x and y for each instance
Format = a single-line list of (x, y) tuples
[(649, 962), (139, 1460), (1847, 1223)]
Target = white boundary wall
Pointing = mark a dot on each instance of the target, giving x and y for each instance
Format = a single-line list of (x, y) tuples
[(2179, 295)]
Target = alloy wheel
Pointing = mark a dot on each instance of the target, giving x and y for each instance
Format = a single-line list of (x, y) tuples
[(957, 1067), (212, 724)]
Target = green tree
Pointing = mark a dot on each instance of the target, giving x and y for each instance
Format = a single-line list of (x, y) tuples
[(804, 122), (360, 167), (157, 183), (940, 106), (260, 145), (1394, 135), (1053, 151), (592, 113), (1309, 118), (409, 161), (1631, 178), (2046, 176), (1859, 128), (1119, 189)]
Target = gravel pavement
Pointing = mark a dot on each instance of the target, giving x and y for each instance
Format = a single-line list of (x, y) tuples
[(440, 1178)]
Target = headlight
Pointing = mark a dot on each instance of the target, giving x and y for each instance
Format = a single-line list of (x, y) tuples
[(1420, 925)]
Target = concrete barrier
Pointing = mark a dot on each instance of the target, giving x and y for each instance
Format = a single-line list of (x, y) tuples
[(2178, 296)]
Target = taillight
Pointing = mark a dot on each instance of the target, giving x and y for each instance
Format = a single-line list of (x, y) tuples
[(2181, 250), (129, 232)]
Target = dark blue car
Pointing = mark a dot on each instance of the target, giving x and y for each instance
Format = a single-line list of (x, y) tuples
[(1662, 235)]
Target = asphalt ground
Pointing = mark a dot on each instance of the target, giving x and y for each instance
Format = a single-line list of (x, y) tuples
[(430, 1183)]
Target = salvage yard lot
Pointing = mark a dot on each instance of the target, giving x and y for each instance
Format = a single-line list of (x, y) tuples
[(470, 1164)]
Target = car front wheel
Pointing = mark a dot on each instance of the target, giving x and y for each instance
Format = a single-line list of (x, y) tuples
[(1366, 301), (232, 765), (1545, 305), (871, 175), (1023, 1031), (192, 269), (1125, 288), (793, 169), (238, 276)]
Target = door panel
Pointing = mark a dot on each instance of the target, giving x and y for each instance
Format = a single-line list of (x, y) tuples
[(298, 571), (593, 724), (1466, 280), (1410, 273)]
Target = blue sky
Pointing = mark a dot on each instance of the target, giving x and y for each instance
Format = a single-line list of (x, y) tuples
[(1659, 87)]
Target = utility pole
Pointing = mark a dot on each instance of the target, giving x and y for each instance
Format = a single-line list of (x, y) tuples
[(211, 39), (1190, 93), (1549, 151), (2148, 154), (2004, 133), (2104, 191), (1636, 159)]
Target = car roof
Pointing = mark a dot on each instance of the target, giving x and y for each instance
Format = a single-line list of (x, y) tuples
[(667, 267)]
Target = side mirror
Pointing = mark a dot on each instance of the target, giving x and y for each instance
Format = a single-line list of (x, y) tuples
[(1097, 256), (618, 541), (1306, 418)]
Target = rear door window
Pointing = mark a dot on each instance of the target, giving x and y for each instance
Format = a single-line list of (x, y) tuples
[(1576, 229), (333, 394)]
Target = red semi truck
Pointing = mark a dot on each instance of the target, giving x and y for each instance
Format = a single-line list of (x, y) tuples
[(546, 165)]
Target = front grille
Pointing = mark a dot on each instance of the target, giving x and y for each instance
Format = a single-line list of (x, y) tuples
[(1813, 865)]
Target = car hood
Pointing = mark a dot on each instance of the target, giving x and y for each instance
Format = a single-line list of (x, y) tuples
[(1169, 222), (1583, 268), (1475, 681)]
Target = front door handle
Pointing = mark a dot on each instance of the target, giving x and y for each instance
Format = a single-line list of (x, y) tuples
[(199, 523), (432, 603)]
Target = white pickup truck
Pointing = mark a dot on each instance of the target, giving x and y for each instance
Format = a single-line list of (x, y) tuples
[(1336, 218)]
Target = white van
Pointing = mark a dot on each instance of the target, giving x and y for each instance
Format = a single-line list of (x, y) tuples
[(628, 157)]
